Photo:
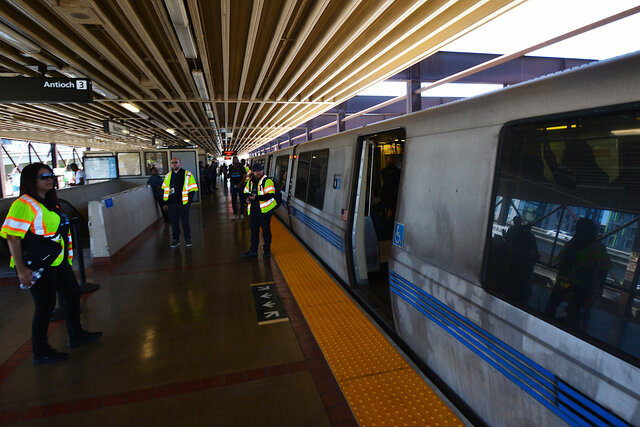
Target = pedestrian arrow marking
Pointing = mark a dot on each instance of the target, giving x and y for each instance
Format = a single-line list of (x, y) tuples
[(269, 307)]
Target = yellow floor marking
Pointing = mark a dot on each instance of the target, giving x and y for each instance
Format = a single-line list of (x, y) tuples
[(380, 386)]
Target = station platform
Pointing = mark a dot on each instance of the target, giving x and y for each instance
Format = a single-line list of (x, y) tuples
[(185, 342)]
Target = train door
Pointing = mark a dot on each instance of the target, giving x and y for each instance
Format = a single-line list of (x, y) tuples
[(374, 211)]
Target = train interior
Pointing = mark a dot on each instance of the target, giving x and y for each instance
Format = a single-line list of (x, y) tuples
[(565, 242), (377, 197)]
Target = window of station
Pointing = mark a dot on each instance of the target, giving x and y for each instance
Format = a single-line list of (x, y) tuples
[(156, 160), (564, 241), (129, 164), (280, 176), (311, 177)]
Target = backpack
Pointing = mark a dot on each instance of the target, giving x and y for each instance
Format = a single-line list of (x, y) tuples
[(278, 195)]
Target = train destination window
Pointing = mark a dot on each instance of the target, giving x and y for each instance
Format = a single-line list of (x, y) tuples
[(280, 176), (564, 241)]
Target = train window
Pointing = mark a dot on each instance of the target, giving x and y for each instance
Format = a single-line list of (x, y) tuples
[(564, 242), (302, 175), (317, 178), (280, 176)]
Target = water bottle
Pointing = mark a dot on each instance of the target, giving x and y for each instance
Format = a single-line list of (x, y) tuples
[(35, 275)]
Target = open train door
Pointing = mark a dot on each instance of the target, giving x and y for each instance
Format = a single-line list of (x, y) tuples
[(377, 184)]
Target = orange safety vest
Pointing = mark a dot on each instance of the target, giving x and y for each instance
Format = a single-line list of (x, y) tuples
[(27, 214), (265, 186), (189, 186)]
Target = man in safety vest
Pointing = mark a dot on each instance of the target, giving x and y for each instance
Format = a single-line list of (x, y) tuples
[(260, 192), (178, 187)]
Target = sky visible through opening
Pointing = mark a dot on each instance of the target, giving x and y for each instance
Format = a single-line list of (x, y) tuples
[(531, 23)]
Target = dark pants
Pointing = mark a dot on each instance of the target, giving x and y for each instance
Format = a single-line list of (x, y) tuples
[(165, 215), (259, 220), (239, 192), (62, 280), (177, 214)]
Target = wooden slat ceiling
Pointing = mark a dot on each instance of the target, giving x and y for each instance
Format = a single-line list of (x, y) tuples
[(269, 65)]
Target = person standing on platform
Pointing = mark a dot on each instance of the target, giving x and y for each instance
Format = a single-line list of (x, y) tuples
[(39, 238), (179, 188), (237, 173), (79, 176), (155, 182), (260, 192)]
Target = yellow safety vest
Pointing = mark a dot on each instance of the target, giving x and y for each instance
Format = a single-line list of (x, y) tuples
[(189, 186), (265, 186), (27, 214)]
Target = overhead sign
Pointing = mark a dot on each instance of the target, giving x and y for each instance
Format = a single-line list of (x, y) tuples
[(230, 153), (269, 307), (115, 128), (45, 90)]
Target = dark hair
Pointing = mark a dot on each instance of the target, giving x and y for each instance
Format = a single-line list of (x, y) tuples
[(29, 187)]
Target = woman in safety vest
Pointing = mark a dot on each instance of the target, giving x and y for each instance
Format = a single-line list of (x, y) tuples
[(39, 238)]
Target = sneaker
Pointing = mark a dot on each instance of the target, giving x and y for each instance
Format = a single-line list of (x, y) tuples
[(175, 244), (85, 337), (188, 243), (235, 217), (49, 356), (250, 254)]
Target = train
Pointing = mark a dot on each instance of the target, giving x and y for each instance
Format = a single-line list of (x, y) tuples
[(452, 225)]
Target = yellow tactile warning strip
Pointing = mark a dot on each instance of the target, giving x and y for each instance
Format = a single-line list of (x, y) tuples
[(379, 384)]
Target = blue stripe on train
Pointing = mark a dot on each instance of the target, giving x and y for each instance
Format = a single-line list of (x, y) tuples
[(570, 405), (320, 229)]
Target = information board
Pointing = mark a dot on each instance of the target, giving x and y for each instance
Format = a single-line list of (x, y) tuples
[(100, 167), (43, 89)]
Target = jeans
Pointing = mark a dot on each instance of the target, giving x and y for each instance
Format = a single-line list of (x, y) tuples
[(239, 192), (62, 280), (259, 220), (177, 214)]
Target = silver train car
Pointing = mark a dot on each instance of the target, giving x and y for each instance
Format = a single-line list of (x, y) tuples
[(496, 238)]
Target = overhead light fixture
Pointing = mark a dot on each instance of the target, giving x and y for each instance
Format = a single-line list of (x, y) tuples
[(18, 41), (622, 132), (198, 79), (209, 111), (171, 131), (102, 91), (187, 140), (129, 106), (180, 21)]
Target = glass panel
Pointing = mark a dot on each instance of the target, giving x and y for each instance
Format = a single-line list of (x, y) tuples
[(302, 175), (280, 176), (129, 164), (157, 160), (565, 242), (318, 178)]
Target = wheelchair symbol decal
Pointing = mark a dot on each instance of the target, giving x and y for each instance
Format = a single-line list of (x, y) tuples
[(398, 235)]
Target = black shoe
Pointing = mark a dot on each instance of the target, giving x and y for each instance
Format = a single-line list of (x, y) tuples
[(85, 337), (250, 254), (175, 244), (188, 243), (266, 255), (49, 356)]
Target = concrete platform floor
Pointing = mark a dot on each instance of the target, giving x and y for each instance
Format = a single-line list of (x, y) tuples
[(181, 343)]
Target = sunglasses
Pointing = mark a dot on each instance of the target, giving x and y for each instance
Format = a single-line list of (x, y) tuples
[(174, 163), (45, 176)]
